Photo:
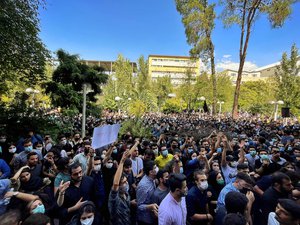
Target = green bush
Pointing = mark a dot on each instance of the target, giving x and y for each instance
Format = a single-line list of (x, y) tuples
[(135, 127)]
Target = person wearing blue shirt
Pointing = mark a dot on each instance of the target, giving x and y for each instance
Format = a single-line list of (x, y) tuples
[(4, 169)]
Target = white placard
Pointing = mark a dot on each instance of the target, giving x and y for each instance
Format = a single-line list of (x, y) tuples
[(105, 135)]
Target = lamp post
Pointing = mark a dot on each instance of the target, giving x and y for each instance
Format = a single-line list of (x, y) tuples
[(220, 108), (33, 92), (86, 88), (117, 99), (276, 103)]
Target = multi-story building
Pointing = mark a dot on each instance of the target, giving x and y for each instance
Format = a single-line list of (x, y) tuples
[(176, 67), (261, 73), (108, 65)]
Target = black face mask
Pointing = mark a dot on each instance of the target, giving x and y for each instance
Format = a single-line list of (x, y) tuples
[(86, 150), (244, 190)]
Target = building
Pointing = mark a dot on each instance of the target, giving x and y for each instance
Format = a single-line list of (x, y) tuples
[(108, 65), (175, 67), (261, 73)]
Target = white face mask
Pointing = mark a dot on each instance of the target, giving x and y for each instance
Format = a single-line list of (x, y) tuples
[(203, 185), (194, 157), (39, 148), (97, 168), (109, 165), (64, 142), (12, 150), (87, 221), (102, 156)]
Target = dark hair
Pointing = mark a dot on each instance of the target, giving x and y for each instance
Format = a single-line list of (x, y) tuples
[(10, 217), (62, 163), (148, 166), (26, 141), (278, 178), (73, 167), (235, 202), (175, 181), (97, 158), (242, 166), (198, 172), (31, 154), (87, 207), (37, 219), (37, 143), (160, 174), (234, 219), (245, 177), (127, 163)]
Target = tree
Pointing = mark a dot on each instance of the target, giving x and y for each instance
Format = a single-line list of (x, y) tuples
[(244, 13), (198, 18), (256, 96), (67, 80), (187, 89), (23, 56), (288, 80), (162, 87), (143, 87)]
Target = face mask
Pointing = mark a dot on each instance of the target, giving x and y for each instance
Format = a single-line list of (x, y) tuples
[(97, 168), (87, 221), (28, 149), (190, 150), (181, 169), (39, 209), (290, 148), (195, 157), (76, 139), (124, 189), (115, 151), (48, 147), (155, 151), (39, 148), (252, 153), (102, 156), (219, 150), (220, 182), (164, 152), (109, 165), (12, 150), (264, 157), (64, 142), (203, 185), (2, 140), (233, 164), (281, 149)]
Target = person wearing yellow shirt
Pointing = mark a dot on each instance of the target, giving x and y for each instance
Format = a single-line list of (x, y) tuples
[(164, 157)]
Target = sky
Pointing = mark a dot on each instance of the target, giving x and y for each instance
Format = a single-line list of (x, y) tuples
[(102, 29)]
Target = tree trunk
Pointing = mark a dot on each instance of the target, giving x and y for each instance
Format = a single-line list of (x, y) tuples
[(213, 76)]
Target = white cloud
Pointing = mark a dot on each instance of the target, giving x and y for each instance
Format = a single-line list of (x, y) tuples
[(226, 56), (226, 63)]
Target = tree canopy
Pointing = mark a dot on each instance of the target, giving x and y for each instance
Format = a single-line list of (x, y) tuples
[(23, 56), (66, 85)]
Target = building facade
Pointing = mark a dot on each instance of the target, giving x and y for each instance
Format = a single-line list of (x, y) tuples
[(175, 67)]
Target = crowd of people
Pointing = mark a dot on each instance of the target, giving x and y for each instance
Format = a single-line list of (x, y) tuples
[(193, 169)]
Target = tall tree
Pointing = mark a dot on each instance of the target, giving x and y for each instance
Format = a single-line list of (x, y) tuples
[(143, 88), (288, 80), (67, 80), (198, 18), (22, 54), (244, 13), (162, 87)]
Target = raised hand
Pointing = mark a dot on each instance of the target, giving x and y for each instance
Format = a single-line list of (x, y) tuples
[(63, 186)]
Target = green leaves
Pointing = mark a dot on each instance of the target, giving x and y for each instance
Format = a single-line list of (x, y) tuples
[(288, 80), (67, 80), (22, 54)]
